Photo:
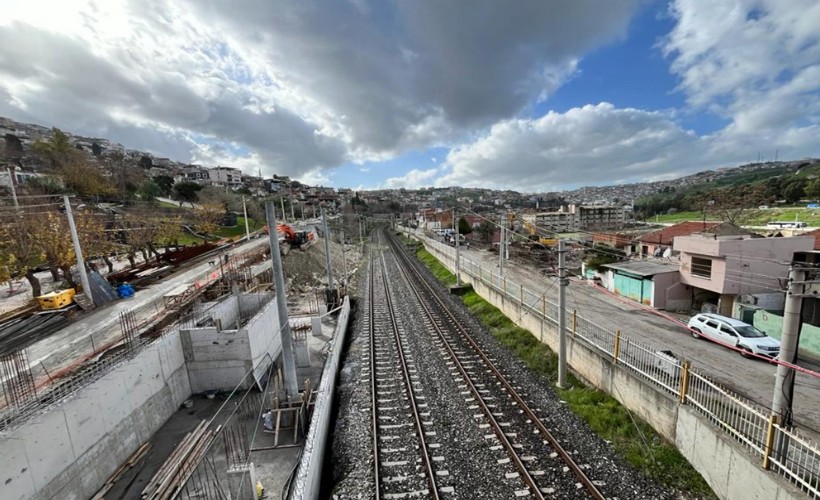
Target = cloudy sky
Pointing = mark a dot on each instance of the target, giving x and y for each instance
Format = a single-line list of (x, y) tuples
[(530, 95)]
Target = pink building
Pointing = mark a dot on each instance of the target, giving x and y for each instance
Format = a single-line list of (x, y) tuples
[(720, 268)]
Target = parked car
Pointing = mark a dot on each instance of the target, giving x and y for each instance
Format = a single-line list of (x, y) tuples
[(734, 332)]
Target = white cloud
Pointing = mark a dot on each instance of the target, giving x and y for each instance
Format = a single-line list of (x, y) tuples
[(413, 179), (301, 86), (755, 62), (592, 145)]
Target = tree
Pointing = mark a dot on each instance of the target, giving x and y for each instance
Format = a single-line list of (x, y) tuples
[(813, 189), (165, 184), (485, 231), (464, 226), (600, 255), (146, 162), (793, 191), (148, 190), (735, 205), (19, 250), (206, 219), (96, 149), (56, 152), (187, 192)]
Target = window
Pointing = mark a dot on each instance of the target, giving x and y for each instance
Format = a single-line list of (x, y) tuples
[(712, 324), (728, 331), (701, 267)]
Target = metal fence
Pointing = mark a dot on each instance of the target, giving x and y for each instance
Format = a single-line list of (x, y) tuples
[(779, 448)]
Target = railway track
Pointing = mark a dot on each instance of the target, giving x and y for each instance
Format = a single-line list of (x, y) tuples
[(526, 450), (402, 460)]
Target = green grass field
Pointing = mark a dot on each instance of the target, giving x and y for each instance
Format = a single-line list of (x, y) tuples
[(785, 214)]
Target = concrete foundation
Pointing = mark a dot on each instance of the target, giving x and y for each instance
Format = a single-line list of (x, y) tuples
[(70, 450)]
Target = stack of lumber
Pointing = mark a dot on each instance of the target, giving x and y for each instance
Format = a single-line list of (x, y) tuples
[(117, 474), (179, 466)]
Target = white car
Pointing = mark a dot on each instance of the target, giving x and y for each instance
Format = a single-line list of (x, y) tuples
[(734, 332)]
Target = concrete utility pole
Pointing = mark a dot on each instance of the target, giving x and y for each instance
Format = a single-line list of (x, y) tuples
[(290, 382), (501, 248), (562, 316), (458, 251), (302, 206), (784, 381), (282, 204), (331, 288), (344, 259), (77, 250), (13, 189), (361, 230), (245, 213), (292, 215)]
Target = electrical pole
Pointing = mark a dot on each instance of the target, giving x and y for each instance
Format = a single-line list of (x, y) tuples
[(344, 259), (784, 380), (331, 288), (302, 206), (292, 215), (458, 251), (562, 316), (501, 248), (13, 189), (77, 250), (291, 385), (245, 213), (361, 231), (282, 204)]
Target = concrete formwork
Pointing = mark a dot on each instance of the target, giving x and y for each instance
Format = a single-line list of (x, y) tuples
[(69, 450)]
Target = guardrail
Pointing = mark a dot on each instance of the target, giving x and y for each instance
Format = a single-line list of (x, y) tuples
[(780, 449)]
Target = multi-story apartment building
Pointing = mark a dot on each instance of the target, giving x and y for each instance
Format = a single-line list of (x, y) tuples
[(579, 217), (226, 176)]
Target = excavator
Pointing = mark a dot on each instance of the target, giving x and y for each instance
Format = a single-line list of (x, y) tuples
[(299, 239)]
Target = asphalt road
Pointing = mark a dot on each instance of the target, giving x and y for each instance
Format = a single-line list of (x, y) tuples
[(750, 378)]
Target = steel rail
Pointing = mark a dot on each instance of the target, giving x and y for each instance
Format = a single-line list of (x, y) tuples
[(425, 456), (497, 429), (431, 477), (591, 488), (373, 411)]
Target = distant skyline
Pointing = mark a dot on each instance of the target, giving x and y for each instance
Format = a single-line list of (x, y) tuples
[(531, 95)]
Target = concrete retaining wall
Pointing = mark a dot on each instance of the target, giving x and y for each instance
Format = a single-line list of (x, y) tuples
[(724, 464), (70, 449), (730, 471), (219, 359)]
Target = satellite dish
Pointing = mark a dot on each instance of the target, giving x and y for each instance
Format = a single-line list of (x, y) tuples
[(667, 253)]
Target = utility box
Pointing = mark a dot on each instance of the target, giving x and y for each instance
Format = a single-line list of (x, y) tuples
[(56, 300)]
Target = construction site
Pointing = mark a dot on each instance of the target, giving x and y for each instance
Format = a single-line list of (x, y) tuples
[(198, 383)]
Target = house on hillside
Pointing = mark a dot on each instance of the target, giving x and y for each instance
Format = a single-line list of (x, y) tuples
[(653, 283), (656, 242), (725, 270)]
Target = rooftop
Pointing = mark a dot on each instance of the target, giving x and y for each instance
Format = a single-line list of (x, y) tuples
[(644, 267)]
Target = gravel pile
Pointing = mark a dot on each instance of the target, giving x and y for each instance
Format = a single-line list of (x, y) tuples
[(468, 455)]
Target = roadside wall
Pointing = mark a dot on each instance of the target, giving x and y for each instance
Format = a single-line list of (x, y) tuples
[(69, 450), (729, 469), (724, 464), (772, 324)]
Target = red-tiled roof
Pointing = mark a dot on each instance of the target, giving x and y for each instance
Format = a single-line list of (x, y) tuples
[(666, 235), (816, 234)]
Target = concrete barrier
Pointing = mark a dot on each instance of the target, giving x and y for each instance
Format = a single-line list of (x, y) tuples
[(307, 484)]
